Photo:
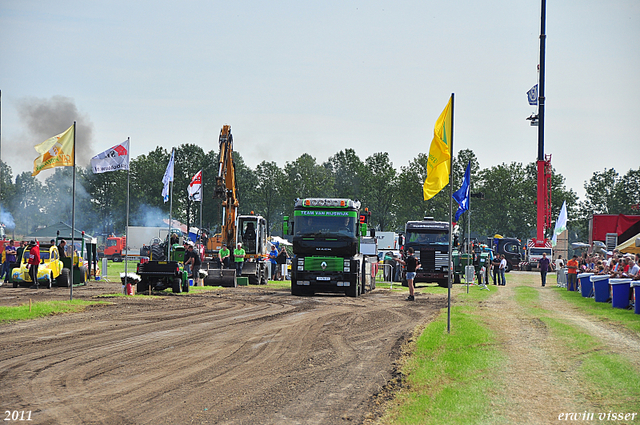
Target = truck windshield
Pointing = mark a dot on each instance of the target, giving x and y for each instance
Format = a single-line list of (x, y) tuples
[(111, 242), (325, 226), (539, 251), (434, 237)]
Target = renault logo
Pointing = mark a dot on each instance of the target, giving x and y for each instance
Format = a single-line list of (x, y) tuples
[(323, 265)]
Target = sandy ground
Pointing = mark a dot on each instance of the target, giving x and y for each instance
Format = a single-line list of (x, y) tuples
[(248, 355)]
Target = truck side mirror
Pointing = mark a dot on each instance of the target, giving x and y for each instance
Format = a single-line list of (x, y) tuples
[(373, 233)]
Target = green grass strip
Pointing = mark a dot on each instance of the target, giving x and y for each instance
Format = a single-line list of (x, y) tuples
[(450, 375), (41, 309)]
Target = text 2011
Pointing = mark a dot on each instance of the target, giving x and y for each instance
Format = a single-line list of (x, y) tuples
[(17, 415)]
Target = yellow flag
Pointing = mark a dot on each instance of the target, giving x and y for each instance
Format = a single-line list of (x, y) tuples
[(439, 155), (56, 151)]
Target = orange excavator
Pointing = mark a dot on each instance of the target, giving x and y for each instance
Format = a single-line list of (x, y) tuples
[(248, 229)]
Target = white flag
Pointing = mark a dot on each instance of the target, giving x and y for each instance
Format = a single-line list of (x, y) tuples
[(114, 159), (168, 177), (195, 187), (561, 224)]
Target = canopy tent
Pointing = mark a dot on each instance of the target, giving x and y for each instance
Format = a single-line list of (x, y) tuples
[(630, 245)]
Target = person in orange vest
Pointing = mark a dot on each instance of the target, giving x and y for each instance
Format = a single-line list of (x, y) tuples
[(572, 273)]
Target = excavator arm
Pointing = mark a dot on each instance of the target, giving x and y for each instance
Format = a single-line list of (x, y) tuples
[(226, 187)]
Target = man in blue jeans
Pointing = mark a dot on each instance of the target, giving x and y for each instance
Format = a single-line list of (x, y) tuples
[(412, 265), (544, 268), (503, 269)]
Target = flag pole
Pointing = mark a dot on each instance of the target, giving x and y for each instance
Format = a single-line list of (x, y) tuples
[(73, 213), (126, 226), (450, 219), (469, 253), (201, 202), (170, 208)]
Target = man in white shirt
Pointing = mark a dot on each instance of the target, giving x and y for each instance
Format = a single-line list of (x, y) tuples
[(503, 269)]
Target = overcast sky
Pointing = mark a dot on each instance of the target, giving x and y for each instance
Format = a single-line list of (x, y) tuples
[(320, 76)]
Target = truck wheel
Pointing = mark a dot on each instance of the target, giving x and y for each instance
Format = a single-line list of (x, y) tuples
[(443, 283), (63, 279), (116, 258), (253, 280), (185, 286), (456, 278), (176, 285), (509, 267), (404, 282)]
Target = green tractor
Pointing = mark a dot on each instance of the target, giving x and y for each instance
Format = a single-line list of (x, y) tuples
[(160, 273)]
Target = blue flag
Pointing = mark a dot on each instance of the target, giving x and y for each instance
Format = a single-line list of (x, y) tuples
[(168, 177), (533, 95), (462, 195)]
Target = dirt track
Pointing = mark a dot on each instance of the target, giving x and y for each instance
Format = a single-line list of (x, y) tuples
[(248, 355)]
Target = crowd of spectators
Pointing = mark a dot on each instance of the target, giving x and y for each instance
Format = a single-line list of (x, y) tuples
[(615, 264)]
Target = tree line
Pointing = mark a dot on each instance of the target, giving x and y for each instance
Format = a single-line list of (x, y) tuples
[(505, 202)]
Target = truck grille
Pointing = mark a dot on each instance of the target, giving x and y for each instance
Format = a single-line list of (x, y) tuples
[(432, 260), (334, 264)]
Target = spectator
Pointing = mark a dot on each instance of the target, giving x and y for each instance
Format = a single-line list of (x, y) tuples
[(281, 260), (224, 255), (21, 248), (11, 255), (572, 273), (34, 262), (495, 269), (387, 270), (412, 265), (399, 266), (238, 258), (194, 263), (544, 268), (61, 247), (273, 259), (633, 270), (503, 269)]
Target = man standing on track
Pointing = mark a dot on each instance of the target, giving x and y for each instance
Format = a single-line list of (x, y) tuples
[(572, 273), (503, 269), (412, 266), (544, 268), (34, 261), (238, 258)]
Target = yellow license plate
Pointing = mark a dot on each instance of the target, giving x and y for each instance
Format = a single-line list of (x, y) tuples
[(162, 262)]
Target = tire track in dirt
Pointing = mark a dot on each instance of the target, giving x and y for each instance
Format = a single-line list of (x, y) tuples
[(538, 370), (245, 356)]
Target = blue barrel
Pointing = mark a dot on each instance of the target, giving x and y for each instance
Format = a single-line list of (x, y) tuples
[(620, 292), (601, 290), (583, 279), (587, 289), (636, 288)]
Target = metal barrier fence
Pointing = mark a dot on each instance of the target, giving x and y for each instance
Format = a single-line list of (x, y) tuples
[(384, 271)]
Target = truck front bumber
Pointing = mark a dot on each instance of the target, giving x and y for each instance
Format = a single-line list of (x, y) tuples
[(325, 272)]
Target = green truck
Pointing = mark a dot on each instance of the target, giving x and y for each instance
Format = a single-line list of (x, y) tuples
[(326, 248)]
